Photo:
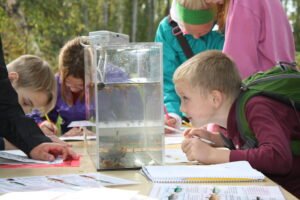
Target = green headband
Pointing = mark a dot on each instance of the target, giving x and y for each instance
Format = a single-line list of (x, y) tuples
[(194, 16)]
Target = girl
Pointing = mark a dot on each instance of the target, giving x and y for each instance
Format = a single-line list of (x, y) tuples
[(195, 20), (33, 80), (70, 104), (16, 127)]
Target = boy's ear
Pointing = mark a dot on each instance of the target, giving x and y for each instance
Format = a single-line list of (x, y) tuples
[(13, 76), (216, 98)]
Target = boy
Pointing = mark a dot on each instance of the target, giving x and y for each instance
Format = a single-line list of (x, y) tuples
[(21, 130), (208, 85)]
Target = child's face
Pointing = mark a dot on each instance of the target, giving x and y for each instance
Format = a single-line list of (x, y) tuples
[(196, 31), (74, 84), (29, 99), (198, 108)]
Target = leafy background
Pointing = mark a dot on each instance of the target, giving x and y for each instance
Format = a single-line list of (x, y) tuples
[(42, 27)]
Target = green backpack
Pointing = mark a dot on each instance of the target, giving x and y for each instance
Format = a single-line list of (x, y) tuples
[(282, 83)]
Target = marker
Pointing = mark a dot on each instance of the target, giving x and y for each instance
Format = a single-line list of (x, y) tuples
[(194, 136)]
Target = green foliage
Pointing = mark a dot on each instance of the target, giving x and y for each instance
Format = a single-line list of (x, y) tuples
[(298, 58), (49, 24)]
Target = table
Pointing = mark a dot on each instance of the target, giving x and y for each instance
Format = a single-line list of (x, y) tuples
[(87, 166)]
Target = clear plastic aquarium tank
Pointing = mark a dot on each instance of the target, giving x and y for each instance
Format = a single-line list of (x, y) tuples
[(124, 99)]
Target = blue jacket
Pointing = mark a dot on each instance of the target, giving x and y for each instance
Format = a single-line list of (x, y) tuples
[(173, 57)]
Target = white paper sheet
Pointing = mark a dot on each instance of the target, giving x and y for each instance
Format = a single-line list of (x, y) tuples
[(200, 192), (19, 157)]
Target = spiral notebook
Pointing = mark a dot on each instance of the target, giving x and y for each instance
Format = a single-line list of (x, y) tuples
[(239, 171)]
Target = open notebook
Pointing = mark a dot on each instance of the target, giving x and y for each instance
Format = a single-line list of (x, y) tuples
[(239, 171)]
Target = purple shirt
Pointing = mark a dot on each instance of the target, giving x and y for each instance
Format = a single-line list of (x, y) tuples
[(274, 124), (115, 104), (258, 35), (76, 112)]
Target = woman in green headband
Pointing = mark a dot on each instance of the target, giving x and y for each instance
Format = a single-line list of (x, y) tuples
[(195, 21)]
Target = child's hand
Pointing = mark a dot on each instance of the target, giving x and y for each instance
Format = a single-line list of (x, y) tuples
[(172, 122), (49, 151), (76, 131), (48, 128), (196, 150)]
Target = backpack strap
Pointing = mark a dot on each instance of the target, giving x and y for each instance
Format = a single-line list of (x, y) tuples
[(176, 31)]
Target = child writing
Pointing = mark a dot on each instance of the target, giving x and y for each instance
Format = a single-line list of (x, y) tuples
[(70, 91), (195, 20), (208, 85), (20, 130), (70, 104), (34, 82)]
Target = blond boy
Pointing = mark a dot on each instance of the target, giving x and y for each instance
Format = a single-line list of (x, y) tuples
[(208, 85)]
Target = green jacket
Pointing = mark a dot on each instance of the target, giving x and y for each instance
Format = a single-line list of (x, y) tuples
[(173, 57)]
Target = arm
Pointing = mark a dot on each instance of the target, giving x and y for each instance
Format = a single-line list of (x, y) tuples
[(170, 64), (272, 130), (195, 149)]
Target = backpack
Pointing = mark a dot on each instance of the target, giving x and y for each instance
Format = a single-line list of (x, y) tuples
[(282, 83)]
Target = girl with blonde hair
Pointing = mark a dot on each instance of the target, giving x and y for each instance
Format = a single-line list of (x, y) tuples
[(20, 130), (195, 20)]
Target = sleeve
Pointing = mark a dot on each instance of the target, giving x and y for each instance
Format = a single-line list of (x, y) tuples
[(242, 38), (36, 116), (273, 154), (15, 126), (2, 146), (170, 64)]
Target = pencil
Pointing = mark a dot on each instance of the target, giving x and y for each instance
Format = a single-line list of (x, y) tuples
[(48, 119), (187, 124), (203, 139)]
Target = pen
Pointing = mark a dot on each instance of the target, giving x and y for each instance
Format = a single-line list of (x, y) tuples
[(194, 136)]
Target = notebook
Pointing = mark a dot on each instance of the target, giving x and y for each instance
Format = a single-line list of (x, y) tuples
[(239, 171)]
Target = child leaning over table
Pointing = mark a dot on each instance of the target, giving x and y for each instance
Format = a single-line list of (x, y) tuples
[(20, 130), (208, 85)]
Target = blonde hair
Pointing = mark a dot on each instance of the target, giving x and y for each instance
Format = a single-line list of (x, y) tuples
[(222, 12), (36, 74), (194, 4), (211, 70), (71, 63)]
